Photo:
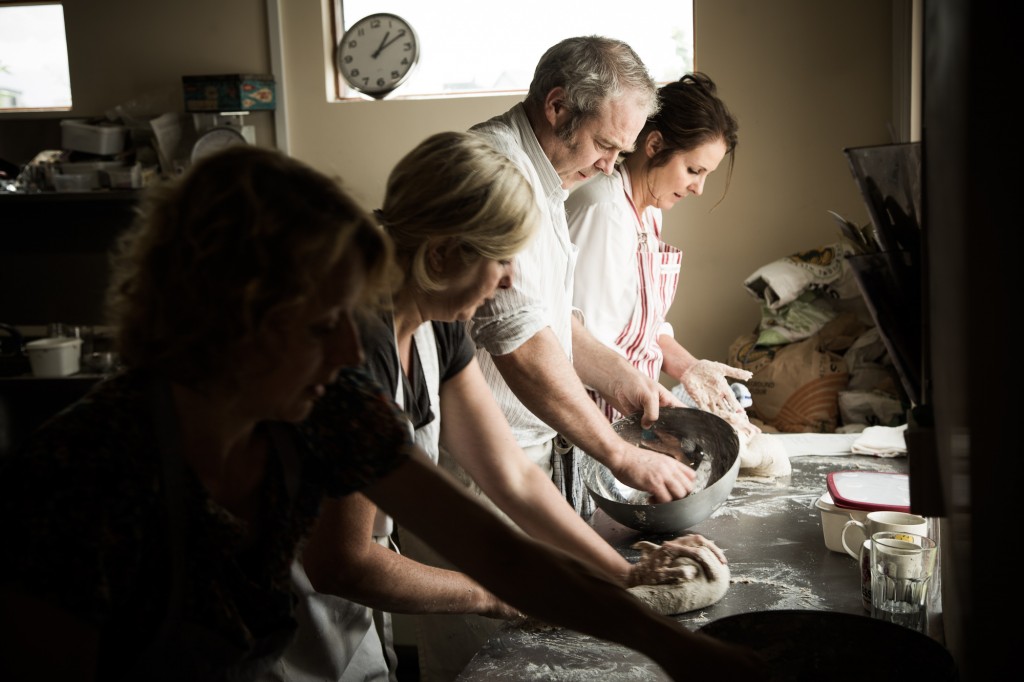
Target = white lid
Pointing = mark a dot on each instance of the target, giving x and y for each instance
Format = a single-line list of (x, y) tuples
[(825, 502), (55, 342), (870, 490)]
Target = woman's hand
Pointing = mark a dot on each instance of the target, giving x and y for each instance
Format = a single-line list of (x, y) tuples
[(660, 564), (707, 383)]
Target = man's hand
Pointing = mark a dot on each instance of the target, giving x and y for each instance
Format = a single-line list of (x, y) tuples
[(665, 478), (636, 392)]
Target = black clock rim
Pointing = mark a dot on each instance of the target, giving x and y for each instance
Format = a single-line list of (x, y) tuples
[(373, 92)]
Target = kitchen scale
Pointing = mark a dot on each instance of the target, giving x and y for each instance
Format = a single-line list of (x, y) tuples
[(219, 131)]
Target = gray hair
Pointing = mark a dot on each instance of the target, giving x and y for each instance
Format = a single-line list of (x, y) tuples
[(592, 70)]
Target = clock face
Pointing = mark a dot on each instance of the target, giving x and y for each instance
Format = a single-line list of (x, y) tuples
[(214, 140), (377, 54)]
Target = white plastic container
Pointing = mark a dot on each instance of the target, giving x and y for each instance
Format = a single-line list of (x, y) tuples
[(833, 519), (81, 136), (54, 357)]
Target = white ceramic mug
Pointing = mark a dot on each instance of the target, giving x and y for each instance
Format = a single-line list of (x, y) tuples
[(855, 532)]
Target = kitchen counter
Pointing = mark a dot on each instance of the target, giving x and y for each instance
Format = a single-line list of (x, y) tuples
[(26, 401), (771, 533)]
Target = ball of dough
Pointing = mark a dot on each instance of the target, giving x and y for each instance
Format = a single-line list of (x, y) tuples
[(687, 595), (764, 456)]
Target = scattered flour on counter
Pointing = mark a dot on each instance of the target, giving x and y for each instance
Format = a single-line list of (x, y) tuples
[(781, 587), (549, 673), (754, 496), (568, 657)]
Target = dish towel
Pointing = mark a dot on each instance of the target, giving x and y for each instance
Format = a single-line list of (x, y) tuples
[(881, 441)]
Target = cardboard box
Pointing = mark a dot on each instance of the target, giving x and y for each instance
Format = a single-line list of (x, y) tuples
[(229, 92)]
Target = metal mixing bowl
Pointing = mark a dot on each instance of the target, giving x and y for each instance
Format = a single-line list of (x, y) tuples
[(708, 443)]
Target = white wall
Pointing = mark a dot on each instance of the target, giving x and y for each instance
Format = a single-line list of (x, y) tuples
[(805, 79)]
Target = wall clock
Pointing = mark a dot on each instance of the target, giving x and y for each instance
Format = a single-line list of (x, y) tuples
[(377, 54)]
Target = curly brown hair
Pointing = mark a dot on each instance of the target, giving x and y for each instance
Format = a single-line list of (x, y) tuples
[(243, 235)]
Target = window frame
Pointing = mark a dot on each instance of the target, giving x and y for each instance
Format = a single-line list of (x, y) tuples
[(42, 111), (344, 93)]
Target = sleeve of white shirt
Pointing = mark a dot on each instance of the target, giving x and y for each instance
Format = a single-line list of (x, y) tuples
[(605, 286), (515, 314)]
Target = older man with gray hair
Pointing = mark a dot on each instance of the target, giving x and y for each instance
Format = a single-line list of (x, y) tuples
[(589, 99)]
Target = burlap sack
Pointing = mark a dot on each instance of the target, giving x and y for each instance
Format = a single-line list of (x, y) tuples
[(795, 387)]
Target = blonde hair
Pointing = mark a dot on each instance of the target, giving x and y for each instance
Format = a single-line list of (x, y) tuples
[(456, 192), (243, 235)]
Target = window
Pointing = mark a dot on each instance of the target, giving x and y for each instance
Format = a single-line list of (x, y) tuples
[(33, 58), (468, 46)]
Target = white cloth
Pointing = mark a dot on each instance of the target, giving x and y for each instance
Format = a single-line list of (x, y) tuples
[(782, 281), (881, 441), (541, 291)]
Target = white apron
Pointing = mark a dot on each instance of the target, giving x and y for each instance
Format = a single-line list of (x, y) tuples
[(338, 639), (445, 643), (658, 273)]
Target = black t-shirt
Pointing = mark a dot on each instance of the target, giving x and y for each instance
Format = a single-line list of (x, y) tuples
[(454, 350)]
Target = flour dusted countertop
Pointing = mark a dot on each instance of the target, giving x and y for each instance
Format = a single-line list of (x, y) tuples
[(771, 533)]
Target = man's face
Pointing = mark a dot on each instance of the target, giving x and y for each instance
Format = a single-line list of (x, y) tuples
[(594, 146)]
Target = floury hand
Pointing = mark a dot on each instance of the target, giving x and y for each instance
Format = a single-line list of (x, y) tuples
[(385, 42)]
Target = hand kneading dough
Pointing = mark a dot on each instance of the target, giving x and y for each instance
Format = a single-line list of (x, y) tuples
[(698, 582)]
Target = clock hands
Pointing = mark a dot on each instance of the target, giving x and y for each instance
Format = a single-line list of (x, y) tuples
[(385, 42), (363, 59)]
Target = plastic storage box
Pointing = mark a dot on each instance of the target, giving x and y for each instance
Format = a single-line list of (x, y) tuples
[(833, 519), (99, 138), (853, 494), (229, 92), (54, 357)]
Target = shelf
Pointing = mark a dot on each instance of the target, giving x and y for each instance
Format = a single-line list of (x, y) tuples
[(54, 264), (100, 195)]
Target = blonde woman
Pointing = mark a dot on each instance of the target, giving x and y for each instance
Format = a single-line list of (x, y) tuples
[(457, 212)]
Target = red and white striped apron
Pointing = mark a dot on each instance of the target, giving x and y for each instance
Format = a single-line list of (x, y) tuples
[(658, 273)]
